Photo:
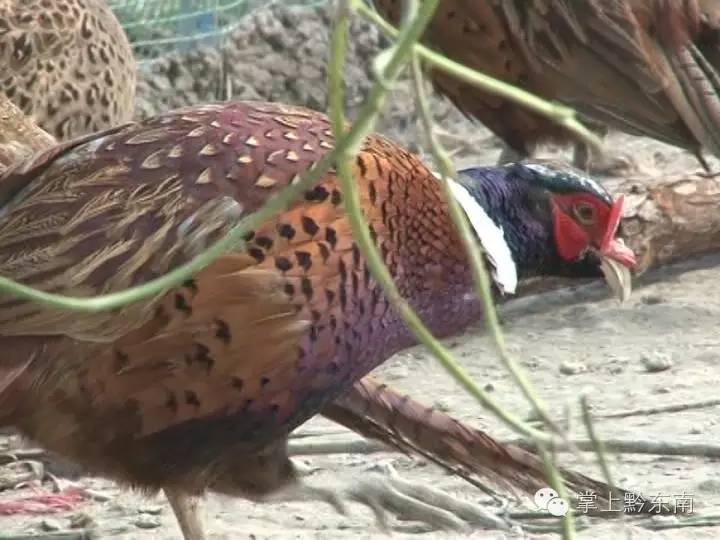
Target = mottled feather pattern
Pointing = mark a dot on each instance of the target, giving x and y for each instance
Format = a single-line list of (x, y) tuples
[(68, 64), (254, 344)]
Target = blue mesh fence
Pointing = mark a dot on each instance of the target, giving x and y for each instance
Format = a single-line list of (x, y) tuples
[(156, 27)]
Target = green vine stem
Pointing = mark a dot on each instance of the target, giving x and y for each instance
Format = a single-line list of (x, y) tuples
[(480, 273), (483, 289), (555, 481), (352, 139), (395, 56), (285, 197), (598, 445)]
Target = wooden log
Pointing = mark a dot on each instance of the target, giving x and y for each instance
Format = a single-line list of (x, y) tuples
[(671, 219), (20, 136)]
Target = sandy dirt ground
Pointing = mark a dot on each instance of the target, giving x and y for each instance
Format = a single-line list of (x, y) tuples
[(568, 341)]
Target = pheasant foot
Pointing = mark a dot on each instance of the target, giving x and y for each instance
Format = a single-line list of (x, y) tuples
[(387, 492), (18, 473)]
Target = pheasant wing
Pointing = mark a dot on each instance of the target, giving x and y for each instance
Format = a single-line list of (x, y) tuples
[(250, 347)]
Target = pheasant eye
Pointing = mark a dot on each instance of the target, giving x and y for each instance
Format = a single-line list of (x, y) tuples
[(585, 213)]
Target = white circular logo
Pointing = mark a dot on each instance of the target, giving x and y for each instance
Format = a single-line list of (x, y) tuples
[(543, 496), (557, 507), (548, 499)]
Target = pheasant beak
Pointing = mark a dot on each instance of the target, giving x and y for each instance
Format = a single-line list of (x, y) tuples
[(617, 275), (616, 258)]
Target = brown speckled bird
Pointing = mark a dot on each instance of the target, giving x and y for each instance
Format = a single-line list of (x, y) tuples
[(67, 64), (646, 67), (199, 388)]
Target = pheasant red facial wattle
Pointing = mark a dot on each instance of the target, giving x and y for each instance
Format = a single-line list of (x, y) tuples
[(614, 247), (583, 222), (594, 229), (563, 222)]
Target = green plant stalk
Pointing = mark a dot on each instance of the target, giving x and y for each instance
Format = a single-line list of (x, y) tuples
[(483, 290), (360, 229), (336, 68), (482, 281), (474, 250), (568, 521), (560, 114), (596, 442)]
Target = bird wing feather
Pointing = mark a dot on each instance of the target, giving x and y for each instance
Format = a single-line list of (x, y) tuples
[(604, 59), (245, 350), (623, 62)]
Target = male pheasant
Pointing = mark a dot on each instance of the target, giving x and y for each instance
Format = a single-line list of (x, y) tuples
[(646, 67), (67, 64), (199, 388)]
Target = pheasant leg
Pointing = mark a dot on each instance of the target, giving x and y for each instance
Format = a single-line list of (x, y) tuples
[(602, 165), (187, 513), (590, 162), (509, 155)]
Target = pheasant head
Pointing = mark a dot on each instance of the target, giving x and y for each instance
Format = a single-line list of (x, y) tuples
[(553, 222)]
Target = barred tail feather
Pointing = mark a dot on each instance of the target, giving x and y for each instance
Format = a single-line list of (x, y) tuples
[(376, 411)]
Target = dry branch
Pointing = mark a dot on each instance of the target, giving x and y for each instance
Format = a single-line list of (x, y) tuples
[(676, 407), (354, 445), (672, 219), (20, 137)]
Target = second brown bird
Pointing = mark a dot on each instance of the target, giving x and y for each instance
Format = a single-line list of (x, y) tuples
[(646, 67)]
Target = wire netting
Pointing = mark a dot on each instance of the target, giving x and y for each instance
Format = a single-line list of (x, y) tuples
[(157, 27)]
